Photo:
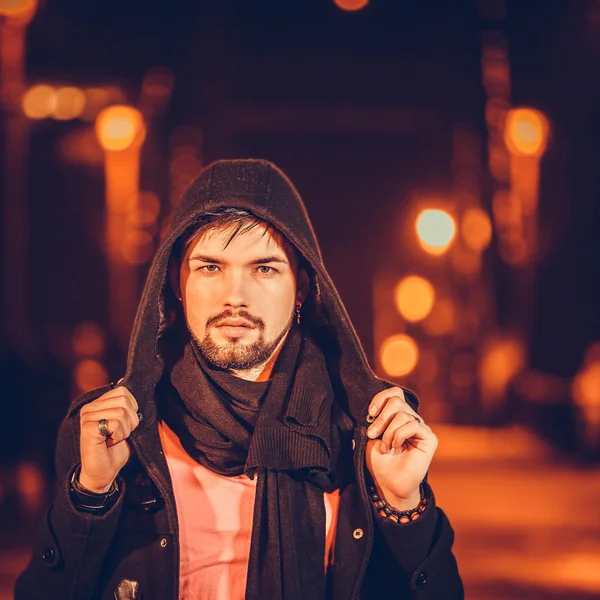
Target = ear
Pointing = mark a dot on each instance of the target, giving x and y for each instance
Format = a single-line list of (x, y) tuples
[(303, 286)]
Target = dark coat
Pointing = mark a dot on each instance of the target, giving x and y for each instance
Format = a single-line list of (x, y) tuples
[(135, 544)]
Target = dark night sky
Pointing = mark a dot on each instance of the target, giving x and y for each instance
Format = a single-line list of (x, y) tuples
[(395, 52)]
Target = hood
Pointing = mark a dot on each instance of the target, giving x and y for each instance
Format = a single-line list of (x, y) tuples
[(261, 188)]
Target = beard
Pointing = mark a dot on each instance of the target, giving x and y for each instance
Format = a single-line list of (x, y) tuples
[(235, 355)]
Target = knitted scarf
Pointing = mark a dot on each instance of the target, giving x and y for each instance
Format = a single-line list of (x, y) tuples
[(289, 434)]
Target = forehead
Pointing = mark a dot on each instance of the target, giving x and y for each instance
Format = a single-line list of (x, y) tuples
[(258, 240)]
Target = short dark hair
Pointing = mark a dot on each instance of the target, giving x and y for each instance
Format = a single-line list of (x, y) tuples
[(237, 221)]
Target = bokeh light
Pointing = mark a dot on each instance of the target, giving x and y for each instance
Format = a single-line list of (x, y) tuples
[(414, 297), (526, 132), (89, 340), (399, 355), (351, 4), (442, 319), (436, 230), (119, 127), (39, 101), (90, 374), (476, 229), (69, 103), (18, 8), (502, 359)]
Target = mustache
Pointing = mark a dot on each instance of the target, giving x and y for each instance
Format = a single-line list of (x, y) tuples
[(240, 314)]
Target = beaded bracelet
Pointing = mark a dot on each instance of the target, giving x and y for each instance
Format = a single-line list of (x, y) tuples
[(398, 516)]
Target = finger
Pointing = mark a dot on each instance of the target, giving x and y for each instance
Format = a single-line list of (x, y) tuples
[(104, 404), (393, 406), (91, 434), (411, 433), (118, 392), (398, 421), (125, 416), (381, 398), (131, 397)]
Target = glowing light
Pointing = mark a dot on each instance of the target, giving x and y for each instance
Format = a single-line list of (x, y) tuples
[(120, 127), (70, 102), (442, 319), (18, 8), (436, 230), (586, 386), (351, 4), (476, 229), (414, 298), (399, 355), (502, 360), (526, 132), (89, 340), (39, 101), (90, 374)]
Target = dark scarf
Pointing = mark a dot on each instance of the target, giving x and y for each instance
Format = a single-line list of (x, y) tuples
[(288, 432)]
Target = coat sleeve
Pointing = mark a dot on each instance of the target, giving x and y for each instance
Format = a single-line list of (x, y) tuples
[(416, 556), (67, 557)]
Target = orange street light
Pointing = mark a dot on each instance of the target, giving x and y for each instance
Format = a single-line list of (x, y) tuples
[(414, 298), (39, 101), (436, 230), (526, 132), (121, 131), (351, 4), (442, 319), (476, 229), (120, 127), (20, 11), (399, 355), (70, 102)]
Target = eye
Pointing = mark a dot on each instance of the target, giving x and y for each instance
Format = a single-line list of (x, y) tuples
[(209, 268), (265, 270)]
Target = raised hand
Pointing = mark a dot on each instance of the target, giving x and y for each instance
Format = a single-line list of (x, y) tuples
[(103, 457), (400, 449)]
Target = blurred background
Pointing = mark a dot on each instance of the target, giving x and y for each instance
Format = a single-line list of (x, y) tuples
[(448, 155)]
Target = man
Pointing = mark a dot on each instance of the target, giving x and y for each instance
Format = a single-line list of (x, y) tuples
[(233, 460)]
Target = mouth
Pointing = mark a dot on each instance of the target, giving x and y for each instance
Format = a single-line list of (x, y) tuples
[(236, 323)]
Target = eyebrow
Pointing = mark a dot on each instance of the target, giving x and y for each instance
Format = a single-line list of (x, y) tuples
[(259, 261)]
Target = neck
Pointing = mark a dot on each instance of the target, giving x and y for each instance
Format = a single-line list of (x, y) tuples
[(263, 371)]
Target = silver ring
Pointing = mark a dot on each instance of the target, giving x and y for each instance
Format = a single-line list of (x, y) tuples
[(103, 427)]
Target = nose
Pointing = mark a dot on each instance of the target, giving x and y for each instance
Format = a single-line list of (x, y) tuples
[(236, 290)]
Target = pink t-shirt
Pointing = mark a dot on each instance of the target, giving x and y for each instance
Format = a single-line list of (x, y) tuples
[(215, 525)]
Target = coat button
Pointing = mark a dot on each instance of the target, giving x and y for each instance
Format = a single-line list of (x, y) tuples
[(422, 578), (48, 554), (163, 543), (358, 533)]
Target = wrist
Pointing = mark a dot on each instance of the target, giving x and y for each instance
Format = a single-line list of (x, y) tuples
[(89, 486), (89, 501), (400, 503), (394, 512)]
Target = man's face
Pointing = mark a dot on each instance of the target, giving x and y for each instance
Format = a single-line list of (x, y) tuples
[(238, 300)]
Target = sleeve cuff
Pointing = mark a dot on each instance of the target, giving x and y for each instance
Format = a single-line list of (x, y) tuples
[(410, 542)]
